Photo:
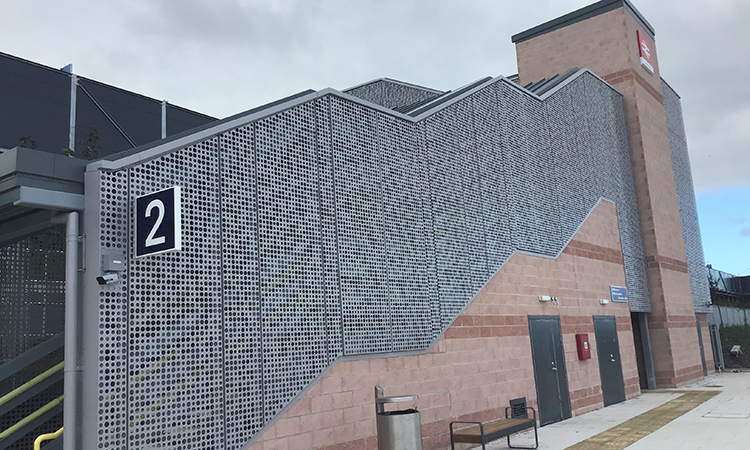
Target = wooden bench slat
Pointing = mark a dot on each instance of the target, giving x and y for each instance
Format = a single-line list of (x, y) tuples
[(492, 430)]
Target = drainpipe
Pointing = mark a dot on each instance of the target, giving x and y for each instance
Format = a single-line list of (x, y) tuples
[(71, 328)]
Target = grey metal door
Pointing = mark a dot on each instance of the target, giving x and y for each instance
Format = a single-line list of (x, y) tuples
[(610, 367), (549, 369)]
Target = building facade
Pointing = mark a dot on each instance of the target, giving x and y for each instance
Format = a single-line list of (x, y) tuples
[(453, 245)]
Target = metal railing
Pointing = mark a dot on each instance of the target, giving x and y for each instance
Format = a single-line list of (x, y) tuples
[(30, 389), (46, 437)]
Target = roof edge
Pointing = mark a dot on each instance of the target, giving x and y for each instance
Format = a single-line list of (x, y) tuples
[(394, 81), (582, 14), (190, 137)]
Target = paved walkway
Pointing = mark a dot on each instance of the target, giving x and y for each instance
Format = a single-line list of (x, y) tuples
[(713, 414)]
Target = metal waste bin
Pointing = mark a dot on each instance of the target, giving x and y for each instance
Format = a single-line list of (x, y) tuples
[(397, 430)]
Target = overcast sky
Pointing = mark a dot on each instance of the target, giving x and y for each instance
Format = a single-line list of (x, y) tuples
[(222, 57)]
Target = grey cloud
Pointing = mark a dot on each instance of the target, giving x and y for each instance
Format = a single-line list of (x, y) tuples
[(222, 57), (745, 232)]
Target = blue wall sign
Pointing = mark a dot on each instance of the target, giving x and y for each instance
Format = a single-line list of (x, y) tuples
[(618, 294), (158, 222)]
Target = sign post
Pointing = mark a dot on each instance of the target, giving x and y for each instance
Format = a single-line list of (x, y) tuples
[(158, 222)]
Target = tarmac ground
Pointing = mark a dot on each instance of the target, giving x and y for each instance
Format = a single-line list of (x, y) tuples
[(713, 414)]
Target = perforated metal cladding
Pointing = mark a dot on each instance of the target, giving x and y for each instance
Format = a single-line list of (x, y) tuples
[(175, 338), (292, 283), (448, 216), (361, 234), (572, 156), (686, 199), (405, 235), (32, 291), (32, 310), (525, 141), (113, 367), (242, 331), (328, 229), (391, 95), (493, 173), (427, 213), (468, 169)]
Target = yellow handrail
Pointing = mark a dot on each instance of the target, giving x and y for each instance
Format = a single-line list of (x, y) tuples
[(28, 419), (46, 437), (34, 381)]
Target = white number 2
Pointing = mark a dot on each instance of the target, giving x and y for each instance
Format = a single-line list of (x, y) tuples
[(150, 239)]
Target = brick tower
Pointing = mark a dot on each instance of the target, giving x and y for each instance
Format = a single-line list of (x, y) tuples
[(613, 40)]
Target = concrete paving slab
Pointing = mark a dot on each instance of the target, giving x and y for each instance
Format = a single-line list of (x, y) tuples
[(716, 423)]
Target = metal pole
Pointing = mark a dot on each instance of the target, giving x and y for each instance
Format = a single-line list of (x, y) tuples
[(163, 119), (71, 329), (73, 92)]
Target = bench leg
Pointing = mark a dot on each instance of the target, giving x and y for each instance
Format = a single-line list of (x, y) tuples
[(536, 441)]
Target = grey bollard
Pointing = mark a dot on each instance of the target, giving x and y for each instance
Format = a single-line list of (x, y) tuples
[(397, 430)]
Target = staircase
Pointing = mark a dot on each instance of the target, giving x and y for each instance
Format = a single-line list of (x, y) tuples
[(31, 385)]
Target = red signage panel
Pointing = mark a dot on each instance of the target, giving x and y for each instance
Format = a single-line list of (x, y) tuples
[(645, 48)]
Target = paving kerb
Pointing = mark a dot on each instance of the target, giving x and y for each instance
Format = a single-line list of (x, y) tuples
[(721, 422)]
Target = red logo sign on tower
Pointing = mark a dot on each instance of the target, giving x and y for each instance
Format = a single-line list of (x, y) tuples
[(644, 51)]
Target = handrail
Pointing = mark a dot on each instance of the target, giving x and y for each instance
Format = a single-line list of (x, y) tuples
[(34, 381), (31, 417), (46, 437)]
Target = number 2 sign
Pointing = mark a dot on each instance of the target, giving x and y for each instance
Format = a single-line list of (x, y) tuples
[(158, 224)]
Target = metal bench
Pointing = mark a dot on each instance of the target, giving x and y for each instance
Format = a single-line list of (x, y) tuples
[(516, 420)]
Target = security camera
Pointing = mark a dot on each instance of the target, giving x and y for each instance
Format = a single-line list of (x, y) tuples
[(108, 278)]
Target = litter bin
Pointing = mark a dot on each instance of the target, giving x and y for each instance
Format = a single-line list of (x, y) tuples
[(397, 430)]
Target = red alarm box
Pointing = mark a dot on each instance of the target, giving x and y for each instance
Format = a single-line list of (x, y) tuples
[(584, 348)]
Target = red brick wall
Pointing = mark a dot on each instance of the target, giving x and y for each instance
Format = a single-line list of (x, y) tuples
[(484, 359), (607, 45)]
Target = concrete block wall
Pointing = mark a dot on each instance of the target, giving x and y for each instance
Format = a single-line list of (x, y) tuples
[(484, 358)]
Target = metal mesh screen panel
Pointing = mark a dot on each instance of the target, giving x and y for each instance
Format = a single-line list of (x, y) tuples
[(525, 141), (446, 189), (32, 310), (328, 229), (405, 235), (113, 371), (293, 303), (391, 95), (242, 331), (175, 335), (493, 173), (364, 282), (686, 199)]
